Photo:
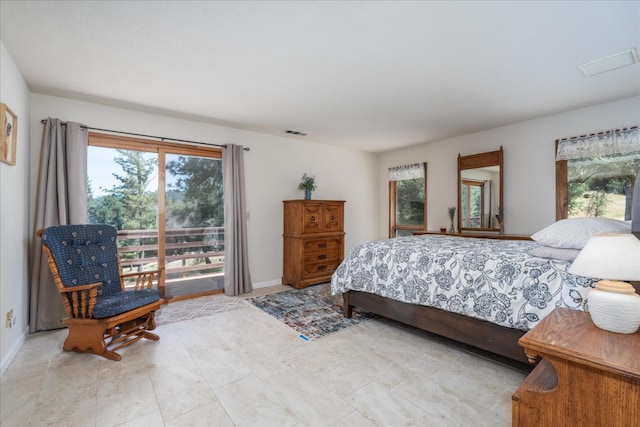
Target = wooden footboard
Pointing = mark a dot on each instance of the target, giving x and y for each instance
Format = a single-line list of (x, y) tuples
[(477, 333)]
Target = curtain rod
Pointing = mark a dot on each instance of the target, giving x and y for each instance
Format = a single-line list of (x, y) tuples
[(162, 138), (599, 133)]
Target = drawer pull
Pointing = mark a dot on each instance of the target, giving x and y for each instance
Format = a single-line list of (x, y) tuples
[(322, 257), (313, 217), (322, 245), (322, 267)]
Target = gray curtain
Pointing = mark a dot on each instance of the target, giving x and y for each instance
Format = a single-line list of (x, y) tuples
[(61, 199), (237, 279)]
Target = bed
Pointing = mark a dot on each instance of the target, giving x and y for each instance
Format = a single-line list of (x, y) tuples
[(484, 293)]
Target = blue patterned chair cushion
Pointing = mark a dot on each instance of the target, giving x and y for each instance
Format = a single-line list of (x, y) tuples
[(124, 301), (86, 254)]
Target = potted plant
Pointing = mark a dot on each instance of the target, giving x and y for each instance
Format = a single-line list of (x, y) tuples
[(308, 184)]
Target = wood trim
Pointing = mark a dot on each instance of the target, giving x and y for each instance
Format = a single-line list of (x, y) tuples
[(490, 158), (425, 195), (473, 161), (561, 186), (150, 145), (561, 189), (485, 235), (162, 215), (392, 207)]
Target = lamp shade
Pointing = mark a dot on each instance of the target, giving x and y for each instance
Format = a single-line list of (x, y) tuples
[(609, 256)]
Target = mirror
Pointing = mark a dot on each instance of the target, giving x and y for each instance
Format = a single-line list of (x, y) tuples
[(479, 191)]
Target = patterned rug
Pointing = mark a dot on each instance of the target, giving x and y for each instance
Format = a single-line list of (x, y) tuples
[(312, 311)]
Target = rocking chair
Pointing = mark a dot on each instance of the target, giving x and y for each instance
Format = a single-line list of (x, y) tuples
[(103, 315)]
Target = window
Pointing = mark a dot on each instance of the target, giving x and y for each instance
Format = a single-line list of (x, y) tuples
[(472, 209), (595, 174), (166, 202), (407, 199)]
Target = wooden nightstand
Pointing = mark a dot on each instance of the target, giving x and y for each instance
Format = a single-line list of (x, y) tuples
[(587, 376)]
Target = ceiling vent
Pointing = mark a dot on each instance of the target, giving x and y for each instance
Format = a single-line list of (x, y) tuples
[(619, 60), (294, 132)]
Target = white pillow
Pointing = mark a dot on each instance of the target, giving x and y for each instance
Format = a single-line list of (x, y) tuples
[(563, 254), (573, 233)]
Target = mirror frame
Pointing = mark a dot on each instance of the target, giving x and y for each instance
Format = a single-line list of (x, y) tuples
[(481, 160)]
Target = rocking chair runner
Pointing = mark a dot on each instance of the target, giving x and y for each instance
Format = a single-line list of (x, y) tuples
[(103, 315)]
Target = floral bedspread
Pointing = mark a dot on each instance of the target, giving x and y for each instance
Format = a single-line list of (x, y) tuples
[(493, 280)]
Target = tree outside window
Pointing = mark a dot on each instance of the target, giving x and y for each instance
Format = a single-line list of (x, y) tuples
[(407, 199), (595, 174)]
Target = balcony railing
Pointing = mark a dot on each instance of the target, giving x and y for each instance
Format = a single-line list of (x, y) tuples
[(187, 251)]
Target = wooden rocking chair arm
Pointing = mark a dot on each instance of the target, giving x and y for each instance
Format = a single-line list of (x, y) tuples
[(141, 273), (81, 288), (80, 300), (144, 279)]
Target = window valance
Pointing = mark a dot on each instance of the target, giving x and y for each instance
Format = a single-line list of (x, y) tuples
[(401, 173), (612, 142)]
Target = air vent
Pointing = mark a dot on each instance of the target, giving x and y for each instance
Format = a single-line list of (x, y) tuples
[(294, 132), (619, 60)]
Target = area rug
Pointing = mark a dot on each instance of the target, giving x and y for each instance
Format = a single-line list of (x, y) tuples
[(197, 307), (312, 311)]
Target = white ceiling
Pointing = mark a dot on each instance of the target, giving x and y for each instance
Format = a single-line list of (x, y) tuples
[(372, 76)]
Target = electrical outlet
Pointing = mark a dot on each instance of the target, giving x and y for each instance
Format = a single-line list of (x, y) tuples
[(10, 319)]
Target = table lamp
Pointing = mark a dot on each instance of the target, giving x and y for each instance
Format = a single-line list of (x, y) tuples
[(614, 306)]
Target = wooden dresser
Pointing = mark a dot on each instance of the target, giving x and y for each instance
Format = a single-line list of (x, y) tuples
[(587, 376), (313, 241)]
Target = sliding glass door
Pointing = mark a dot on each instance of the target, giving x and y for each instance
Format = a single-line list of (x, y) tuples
[(194, 225), (166, 202)]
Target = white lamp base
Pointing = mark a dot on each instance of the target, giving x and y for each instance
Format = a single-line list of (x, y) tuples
[(614, 306)]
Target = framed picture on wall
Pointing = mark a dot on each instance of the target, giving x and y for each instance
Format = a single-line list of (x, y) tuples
[(9, 129)]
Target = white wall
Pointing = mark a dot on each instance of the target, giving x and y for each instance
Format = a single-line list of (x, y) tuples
[(529, 164), (273, 170), (14, 213)]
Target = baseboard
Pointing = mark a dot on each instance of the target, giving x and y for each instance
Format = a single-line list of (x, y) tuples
[(266, 284), (13, 352)]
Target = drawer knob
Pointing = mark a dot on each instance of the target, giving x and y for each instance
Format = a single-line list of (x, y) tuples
[(322, 245), (313, 217)]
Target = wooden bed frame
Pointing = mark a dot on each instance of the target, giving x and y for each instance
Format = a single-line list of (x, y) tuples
[(494, 339)]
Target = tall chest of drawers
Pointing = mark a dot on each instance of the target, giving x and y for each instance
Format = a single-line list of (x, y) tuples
[(313, 241)]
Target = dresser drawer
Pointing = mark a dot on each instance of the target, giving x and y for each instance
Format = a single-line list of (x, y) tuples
[(321, 256), (321, 245), (320, 269)]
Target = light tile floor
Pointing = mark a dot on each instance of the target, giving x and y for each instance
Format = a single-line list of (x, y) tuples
[(244, 368)]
